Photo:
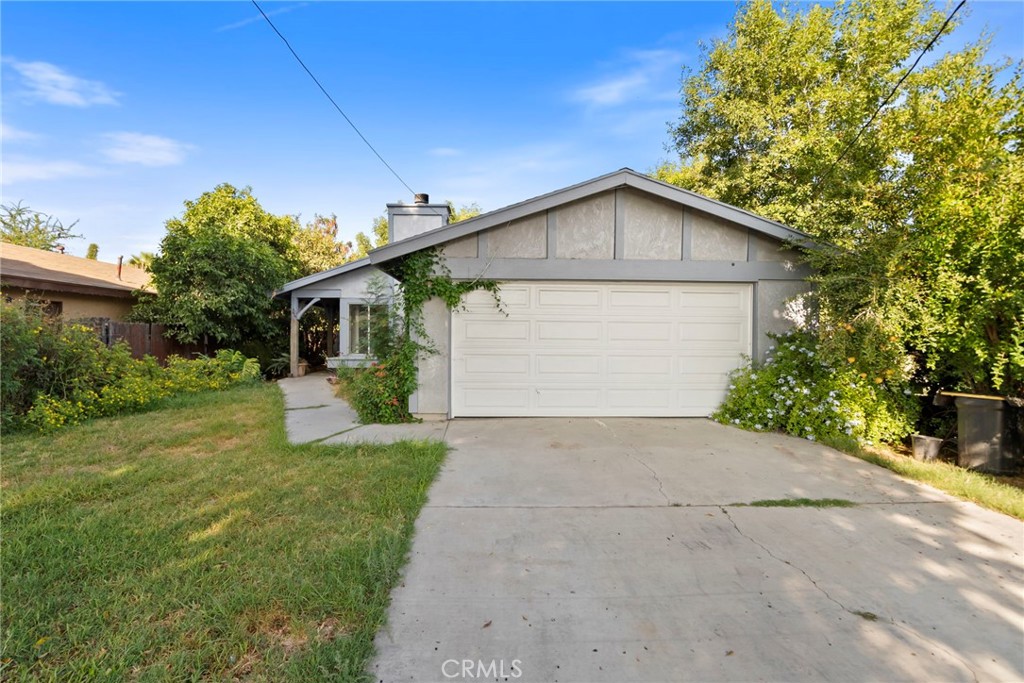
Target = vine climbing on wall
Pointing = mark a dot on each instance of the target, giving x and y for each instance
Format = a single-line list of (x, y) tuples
[(381, 393)]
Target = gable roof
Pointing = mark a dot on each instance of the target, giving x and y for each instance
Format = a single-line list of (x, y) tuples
[(49, 270), (624, 177), (319, 277)]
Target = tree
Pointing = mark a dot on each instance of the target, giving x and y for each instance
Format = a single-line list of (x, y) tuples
[(143, 260), (217, 266), (93, 252), (318, 247), (364, 244), (913, 205), (22, 226), (464, 213)]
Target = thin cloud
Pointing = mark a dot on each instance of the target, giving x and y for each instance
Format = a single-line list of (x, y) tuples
[(45, 82), (21, 170), (639, 76), (259, 17), (12, 134), (146, 150), (445, 152)]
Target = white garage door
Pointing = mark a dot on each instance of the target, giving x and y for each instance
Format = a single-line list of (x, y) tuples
[(600, 349)]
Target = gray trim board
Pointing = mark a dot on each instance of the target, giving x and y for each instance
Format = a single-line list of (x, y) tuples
[(640, 271), (755, 331), (552, 227), (687, 235), (620, 226)]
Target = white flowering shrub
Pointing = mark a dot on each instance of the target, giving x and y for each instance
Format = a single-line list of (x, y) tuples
[(799, 391)]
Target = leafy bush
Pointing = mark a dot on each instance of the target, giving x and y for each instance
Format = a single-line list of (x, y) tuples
[(802, 392), (380, 394), (144, 384), (56, 373)]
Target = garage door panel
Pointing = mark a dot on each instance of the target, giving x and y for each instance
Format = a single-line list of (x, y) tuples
[(660, 399), (497, 330), (637, 331), (722, 300), (569, 399), (605, 349), (725, 331), (497, 364), (577, 365), (640, 366), (629, 300), (482, 300), (563, 297), (691, 364), (562, 330), (484, 398)]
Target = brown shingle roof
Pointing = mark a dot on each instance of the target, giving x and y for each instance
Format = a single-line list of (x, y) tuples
[(49, 270)]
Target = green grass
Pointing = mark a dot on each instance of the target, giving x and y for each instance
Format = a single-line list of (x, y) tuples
[(803, 503), (194, 543), (984, 489)]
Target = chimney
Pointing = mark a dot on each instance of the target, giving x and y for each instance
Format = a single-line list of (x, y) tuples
[(409, 220), (119, 260)]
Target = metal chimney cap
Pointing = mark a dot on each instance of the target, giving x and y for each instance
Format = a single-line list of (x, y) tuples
[(421, 198)]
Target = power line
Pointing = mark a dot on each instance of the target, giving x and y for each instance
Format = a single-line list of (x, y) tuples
[(328, 96), (889, 96)]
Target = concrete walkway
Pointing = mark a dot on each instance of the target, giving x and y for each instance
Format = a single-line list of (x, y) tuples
[(621, 550), (314, 413)]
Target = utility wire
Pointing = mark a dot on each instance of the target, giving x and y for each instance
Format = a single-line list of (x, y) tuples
[(328, 96), (889, 96)]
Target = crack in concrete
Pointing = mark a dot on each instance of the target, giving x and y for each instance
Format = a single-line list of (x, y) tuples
[(629, 453), (322, 405), (343, 431), (856, 613)]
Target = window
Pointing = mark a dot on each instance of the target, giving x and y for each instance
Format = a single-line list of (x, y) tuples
[(359, 320)]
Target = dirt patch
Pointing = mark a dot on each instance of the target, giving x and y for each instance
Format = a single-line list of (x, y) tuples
[(558, 445), (277, 627)]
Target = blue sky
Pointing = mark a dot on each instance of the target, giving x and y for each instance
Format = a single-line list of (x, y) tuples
[(115, 113)]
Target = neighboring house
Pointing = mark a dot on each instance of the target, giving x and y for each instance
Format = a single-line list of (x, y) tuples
[(72, 287), (622, 296)]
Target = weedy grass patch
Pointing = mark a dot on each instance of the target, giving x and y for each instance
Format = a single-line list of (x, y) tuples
[(194, 542), (802, 503), (987, 490)]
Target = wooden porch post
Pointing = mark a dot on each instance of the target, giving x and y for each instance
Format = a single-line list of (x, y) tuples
[(293, 338)]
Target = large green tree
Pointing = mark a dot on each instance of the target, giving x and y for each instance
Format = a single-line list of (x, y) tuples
[(22, 226), (916, 203), (317, 245), (216, 267)]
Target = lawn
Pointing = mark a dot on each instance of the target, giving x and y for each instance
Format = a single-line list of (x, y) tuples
[(194, 543)]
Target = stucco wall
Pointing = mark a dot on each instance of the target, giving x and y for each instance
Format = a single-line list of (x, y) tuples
[(431, 398), (652, 229), (779, 307), (525, 238), (715, 239), (80, 305), (586, 229)]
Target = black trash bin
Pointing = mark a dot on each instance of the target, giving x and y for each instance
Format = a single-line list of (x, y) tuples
[(988, 439)]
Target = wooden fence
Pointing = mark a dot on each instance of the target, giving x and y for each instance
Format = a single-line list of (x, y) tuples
[(145, 339)]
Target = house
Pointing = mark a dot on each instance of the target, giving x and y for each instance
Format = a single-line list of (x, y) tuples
[(71, 286), (621, 296)]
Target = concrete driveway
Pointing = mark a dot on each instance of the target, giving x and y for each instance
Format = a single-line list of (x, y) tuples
[(617, 550)]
